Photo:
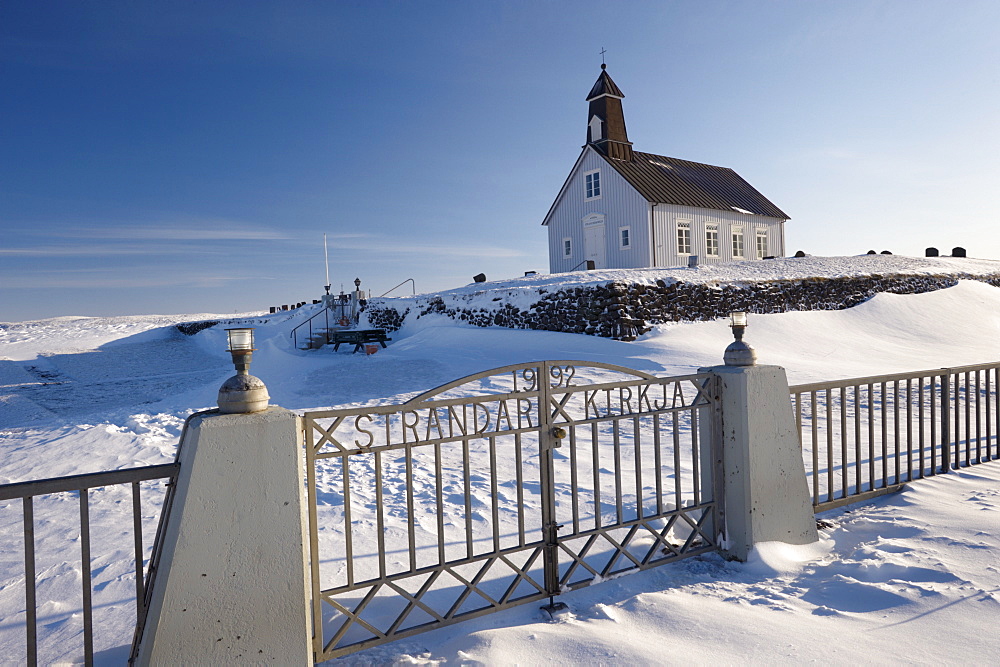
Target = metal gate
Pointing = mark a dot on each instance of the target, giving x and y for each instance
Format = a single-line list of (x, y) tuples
[(504, 487)]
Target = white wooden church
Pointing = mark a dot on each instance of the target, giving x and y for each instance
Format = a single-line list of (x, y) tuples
[(624, 209)]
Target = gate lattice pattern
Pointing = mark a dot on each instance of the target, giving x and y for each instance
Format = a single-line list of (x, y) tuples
[(505, 487)]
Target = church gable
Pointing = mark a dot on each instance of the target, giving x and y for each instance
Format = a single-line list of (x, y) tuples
[(597, 207)]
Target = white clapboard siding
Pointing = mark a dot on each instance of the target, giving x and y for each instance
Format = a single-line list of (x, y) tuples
[(665, 217), (620, 205)]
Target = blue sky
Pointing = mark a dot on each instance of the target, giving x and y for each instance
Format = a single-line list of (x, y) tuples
[(165, 157)]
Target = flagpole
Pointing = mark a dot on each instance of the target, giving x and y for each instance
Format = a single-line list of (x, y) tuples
[(326, 255)]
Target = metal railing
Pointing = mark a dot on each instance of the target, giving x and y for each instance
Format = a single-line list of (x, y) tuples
[(308, 323), (408, 280), (502, 488), (82, 485), (863, 437), (329, 309)]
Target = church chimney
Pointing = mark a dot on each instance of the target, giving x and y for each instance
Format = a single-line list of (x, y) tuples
[(606, 120)]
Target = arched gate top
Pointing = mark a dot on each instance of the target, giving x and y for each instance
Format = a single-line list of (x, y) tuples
[(524, 377)]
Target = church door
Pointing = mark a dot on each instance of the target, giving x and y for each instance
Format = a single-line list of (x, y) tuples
[(594, 245)]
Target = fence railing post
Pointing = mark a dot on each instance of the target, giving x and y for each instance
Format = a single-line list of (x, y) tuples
[(766, 496), (232, 583), (945, 423), (550, 528)]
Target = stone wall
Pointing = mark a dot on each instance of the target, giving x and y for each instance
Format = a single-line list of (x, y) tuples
[(380, 317), (623, 311), (191, 328)]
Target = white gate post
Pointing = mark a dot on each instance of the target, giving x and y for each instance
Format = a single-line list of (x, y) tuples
[(764, 480), (232, 583)]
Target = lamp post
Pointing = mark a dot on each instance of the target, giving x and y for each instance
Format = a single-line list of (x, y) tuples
[(242, 392), (739, 353)]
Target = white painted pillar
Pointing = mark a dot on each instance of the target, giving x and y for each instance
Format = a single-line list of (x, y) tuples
[(764, 480), (232, 584)]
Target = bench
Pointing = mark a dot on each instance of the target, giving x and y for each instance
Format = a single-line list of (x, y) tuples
[(358, 338)]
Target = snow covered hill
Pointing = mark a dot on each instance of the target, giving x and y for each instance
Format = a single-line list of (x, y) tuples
[(87, 394)]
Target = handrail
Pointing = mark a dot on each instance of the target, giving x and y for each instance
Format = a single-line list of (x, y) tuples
[(325, 311), (408, 280), (38, 487), (892, 377)]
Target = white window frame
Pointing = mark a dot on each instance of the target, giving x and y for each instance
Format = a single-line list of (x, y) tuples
[(739, 249), (625, 238), (567, 248), (712, 240), (683, 239), (761, 248), (590, 193), (596, 132)]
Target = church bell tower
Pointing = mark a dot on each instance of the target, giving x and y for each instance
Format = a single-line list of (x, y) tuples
[(606, 120)]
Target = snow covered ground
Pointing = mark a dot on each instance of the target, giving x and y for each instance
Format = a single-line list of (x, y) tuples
[(910, 578)]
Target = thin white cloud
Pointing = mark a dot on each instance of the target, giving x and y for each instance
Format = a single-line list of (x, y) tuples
[(79, 251), (380, 247), (166, 279), (334, 237), (184, 230)]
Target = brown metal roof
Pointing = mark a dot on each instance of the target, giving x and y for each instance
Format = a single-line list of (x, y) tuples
[(667, 180), (604, 86)]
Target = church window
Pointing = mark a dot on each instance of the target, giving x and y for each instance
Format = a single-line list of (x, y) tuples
[(595, 129), (737, 242), (626, 238), (712, 240), (683, 237), (567, 247), (761, 243), (593, 182)]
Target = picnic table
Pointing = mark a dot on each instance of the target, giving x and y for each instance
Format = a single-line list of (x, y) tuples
[(358, 338)]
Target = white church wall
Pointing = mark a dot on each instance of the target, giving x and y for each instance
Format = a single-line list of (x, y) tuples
[(666, 216), (621, 207)]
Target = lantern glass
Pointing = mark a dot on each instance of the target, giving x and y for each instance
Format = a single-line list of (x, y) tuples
[(240, 339), (739, 319)]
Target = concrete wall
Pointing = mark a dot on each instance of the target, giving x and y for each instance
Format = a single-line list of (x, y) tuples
[(766, 497), (232, 584)]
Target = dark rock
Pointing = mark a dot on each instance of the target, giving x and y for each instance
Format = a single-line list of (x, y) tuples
[(191, 328)]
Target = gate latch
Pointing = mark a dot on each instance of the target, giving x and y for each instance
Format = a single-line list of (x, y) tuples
[(558, 432)]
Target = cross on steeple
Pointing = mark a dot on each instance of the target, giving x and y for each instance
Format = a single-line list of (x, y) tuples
[(603, 51)]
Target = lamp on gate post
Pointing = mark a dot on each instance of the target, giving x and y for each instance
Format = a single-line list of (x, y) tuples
[(739, 353), (242, 392)]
